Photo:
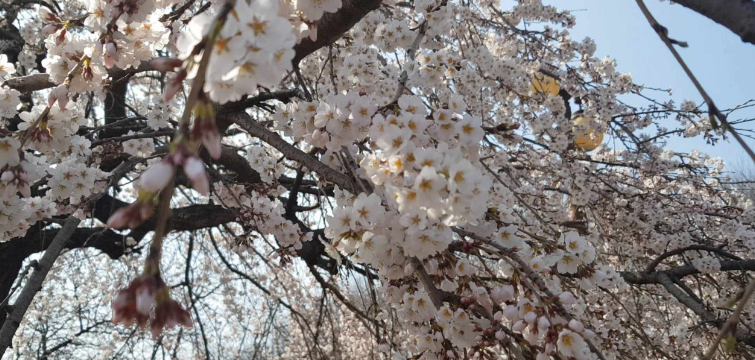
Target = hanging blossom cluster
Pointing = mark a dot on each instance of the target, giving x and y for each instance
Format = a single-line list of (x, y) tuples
[(227, 56)]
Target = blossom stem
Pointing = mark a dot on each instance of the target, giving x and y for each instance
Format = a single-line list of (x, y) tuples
[(152, 264)]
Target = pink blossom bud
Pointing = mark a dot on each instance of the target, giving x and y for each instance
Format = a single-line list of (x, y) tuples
[(173, 86), (110, 54), (211, 142), (511, 313), (25, 190), (408, 269), (111, 50), (543, 323), (519, 326), (145, 299), (59, 94), (567, 298), (195, 171), (7, 176), (109, 61), (576, 325), (119, 219), (164, 64), (500, 335), (157, 176), (313, 32), (530, 317)]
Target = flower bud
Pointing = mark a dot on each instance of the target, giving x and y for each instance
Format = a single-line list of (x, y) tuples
[(511, 312), (145, 299), (164, 64), (59, 94), (119, 219), (567, 298), (110, 54), (543, 323), (173, 86), (519, 326), (157, 176), (530, 317), (205, 128), (195, 171), (576, 325)]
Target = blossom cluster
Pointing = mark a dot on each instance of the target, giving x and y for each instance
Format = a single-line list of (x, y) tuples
[(266, 215)]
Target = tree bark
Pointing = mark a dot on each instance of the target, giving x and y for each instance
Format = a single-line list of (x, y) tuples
[(333, 25), (35, 283), (736, 15)]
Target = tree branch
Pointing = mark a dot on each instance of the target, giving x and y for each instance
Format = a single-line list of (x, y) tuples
[(35, 283), (333, 25), (255, 129), (736, 15)]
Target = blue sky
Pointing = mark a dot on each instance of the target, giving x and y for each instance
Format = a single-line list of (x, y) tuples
[(721, 61)]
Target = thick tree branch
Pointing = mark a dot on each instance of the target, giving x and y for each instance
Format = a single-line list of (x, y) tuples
[(736, 15), (333, 25), (36, 82), (645, 278), (35, 283)]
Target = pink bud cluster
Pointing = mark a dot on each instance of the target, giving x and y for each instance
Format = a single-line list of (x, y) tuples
[(134, 304)]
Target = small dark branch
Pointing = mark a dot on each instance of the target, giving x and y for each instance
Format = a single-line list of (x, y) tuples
[(668, 254), (145, 135), (83, 331), (292, 203), (284, 96), (36, 82)]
